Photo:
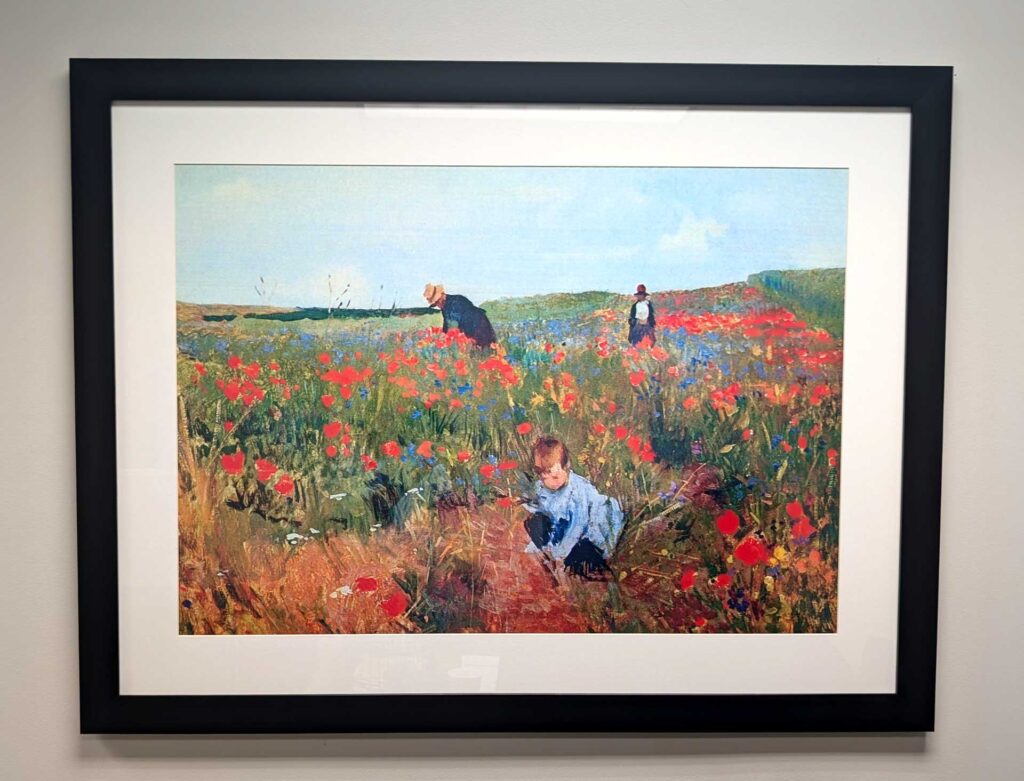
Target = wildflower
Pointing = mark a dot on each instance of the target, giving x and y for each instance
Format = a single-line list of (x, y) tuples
[(699, 622), (324, 358), (728, 522), (233, 462), (200, 369), (747, 434), (687, 578), (463, 456), (621, 432), (366, 584), (285, 486), (599, 428), (265, 469), (636, 378), (487, 470), (327, 400), (524, 428), (234, 362), (395, 605), (332, 429), (723, 580), (505, 501), (801, 442), (391, 449), (331, 451), (425, 449), (751, 551), (508, 465), (229, 425), (689, 403)]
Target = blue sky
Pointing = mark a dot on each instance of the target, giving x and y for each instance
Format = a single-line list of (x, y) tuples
[(383, 232)]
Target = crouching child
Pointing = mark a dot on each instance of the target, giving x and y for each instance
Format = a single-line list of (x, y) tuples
[(569, 520)]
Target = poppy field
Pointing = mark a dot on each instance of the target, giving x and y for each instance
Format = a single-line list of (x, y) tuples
[(364, 474)]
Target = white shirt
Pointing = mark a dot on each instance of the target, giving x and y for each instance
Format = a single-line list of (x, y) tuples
[(643, 309)]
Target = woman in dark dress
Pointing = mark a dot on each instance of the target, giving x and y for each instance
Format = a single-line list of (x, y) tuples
[(459, 312), (641, 318)]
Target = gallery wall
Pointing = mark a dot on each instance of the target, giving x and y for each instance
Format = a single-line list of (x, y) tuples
[(980, 631)]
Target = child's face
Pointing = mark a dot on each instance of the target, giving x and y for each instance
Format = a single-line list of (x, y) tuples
[(553, 476)]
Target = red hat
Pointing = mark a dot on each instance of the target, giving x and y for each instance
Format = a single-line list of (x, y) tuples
[(641, 289)]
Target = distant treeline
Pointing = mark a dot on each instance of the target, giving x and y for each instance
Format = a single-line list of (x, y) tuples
[(815, 295), (322, 313)]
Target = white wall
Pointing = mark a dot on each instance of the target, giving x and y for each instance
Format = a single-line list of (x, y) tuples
[(979, 687)]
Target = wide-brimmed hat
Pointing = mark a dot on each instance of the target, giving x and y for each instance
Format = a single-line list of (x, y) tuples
[(433, 293), (641, 290)]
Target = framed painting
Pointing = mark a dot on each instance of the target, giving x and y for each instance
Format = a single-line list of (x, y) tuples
[(425, 396)]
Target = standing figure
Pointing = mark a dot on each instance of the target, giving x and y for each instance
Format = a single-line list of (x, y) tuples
[(641, 318), (459, 312)]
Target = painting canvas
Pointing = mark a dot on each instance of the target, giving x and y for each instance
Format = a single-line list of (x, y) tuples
[(422, 399)]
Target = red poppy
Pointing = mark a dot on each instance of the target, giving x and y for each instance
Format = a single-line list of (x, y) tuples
[(747, 434), (464, 455), (395, 605), (324, 358), (331, 430), (487, 470), (391, 449), (274, 366), (612, 406), (505, 501), (234, 362), (228, 425), (232, 390), (801, 442), (621, 432), (253, 369), (200, 369), (636, 378), (508, 465), (728, 522), (699, 621), (331, 451), (366, 584), (803, 529), (600, 428), (723, 580), (687, 579), (285, 486), (786, 446), (327, 400), (751, 551), (425, 449), (265, 469), (795, 510), (233, 462), (524, 428), (689, 403), (368, 463)]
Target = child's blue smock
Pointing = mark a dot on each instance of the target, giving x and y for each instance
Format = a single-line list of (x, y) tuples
[(578, 511)]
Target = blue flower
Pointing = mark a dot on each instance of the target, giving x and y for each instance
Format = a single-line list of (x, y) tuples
[(416, 414)]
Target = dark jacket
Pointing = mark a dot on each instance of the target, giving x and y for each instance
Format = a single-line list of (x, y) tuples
[(641, 331), (459, 312), (650, 314)]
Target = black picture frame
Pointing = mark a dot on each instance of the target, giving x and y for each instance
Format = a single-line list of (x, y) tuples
[(96, 84)]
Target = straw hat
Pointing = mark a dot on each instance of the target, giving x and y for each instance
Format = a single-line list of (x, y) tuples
[(433, 293)]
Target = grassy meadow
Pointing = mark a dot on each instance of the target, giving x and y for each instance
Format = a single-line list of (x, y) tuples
[(360, 474)]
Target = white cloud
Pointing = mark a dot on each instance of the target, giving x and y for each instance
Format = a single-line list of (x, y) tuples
[(693, 235), (324, 287)]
